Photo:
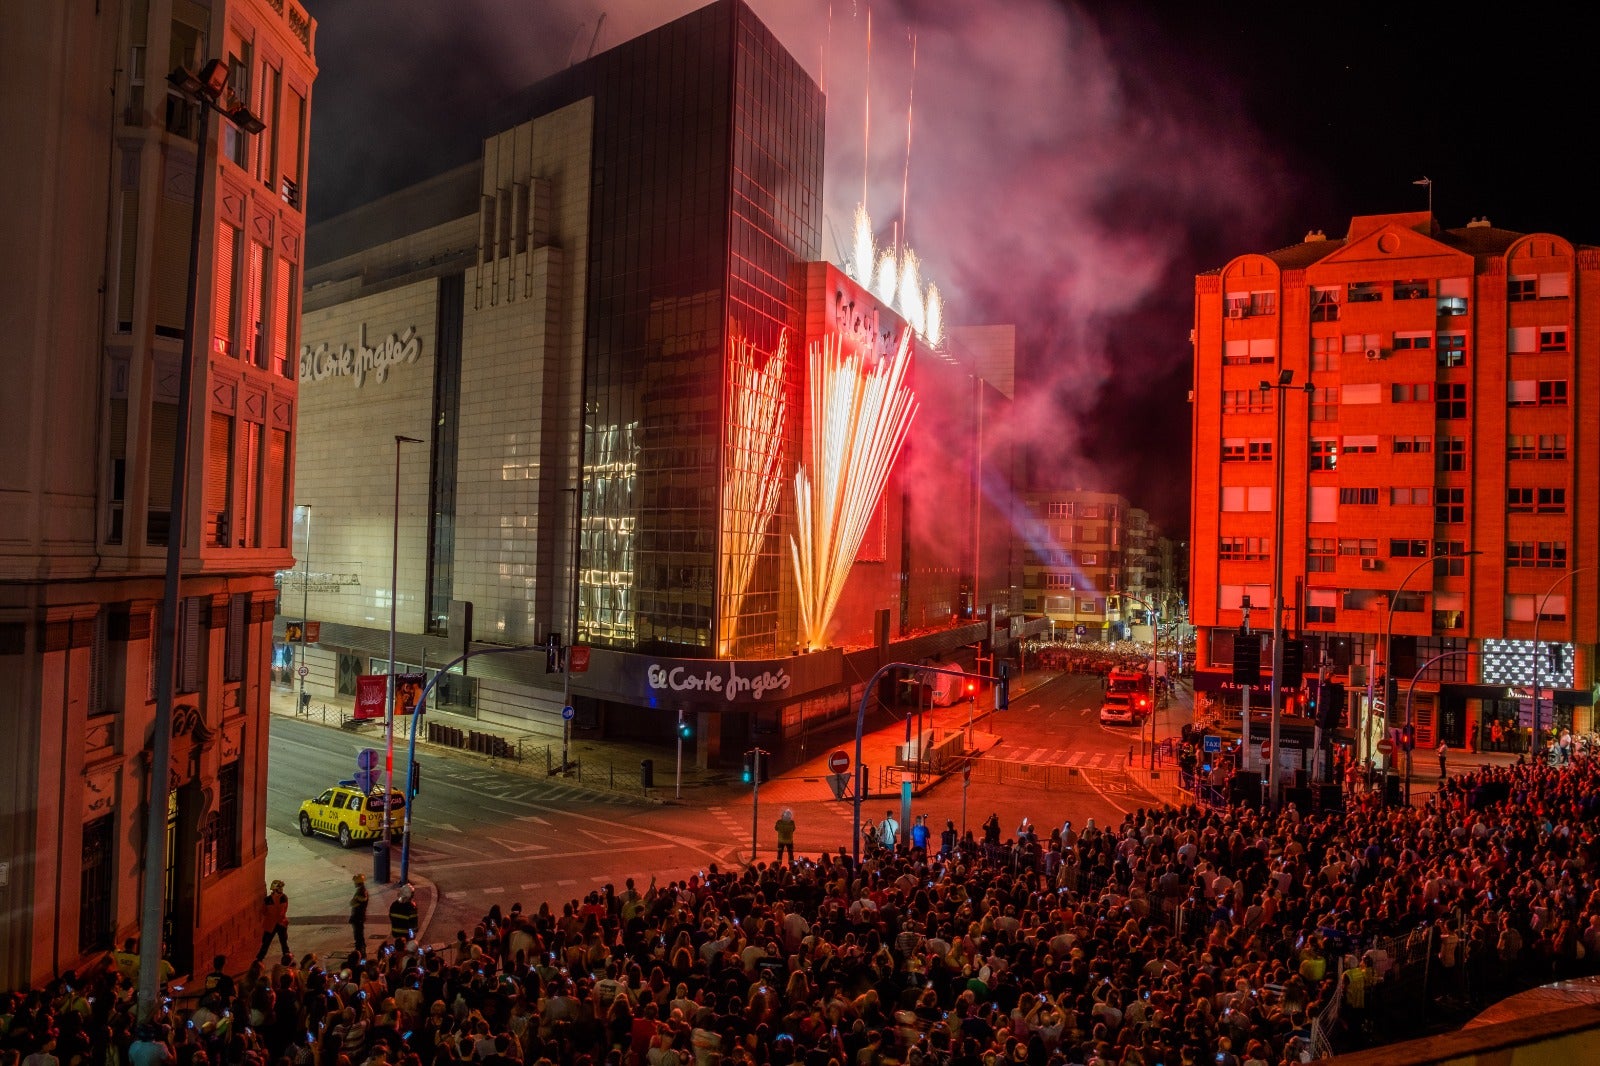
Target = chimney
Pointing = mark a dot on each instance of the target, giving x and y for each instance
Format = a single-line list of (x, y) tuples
[(1479, 223), (1314, 236)]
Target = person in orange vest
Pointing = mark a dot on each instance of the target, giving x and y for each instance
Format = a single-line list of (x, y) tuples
[(274, 920)]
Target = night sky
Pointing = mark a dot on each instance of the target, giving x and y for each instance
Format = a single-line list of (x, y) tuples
[(1072, 166)]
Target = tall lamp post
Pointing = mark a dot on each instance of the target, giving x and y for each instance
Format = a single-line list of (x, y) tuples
[(1283, 386), (1388, 637), (208, 90), (394, 601), (1154, 665), (305, 606), (1538, 615)]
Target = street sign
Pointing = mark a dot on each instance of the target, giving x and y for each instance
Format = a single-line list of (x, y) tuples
[(1385, 746), (1212, 743), (839, 762), (367, 758), (567, 713), (1082, 631), (304, 671), (1266, 749)]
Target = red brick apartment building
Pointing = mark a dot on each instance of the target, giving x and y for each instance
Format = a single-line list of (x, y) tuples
[(1440, 452)]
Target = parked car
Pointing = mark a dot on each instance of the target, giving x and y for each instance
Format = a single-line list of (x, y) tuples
[(350, 815)]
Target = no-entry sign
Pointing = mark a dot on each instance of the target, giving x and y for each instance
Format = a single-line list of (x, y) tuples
[(1266, 749), (1385, 746), (839, 761)]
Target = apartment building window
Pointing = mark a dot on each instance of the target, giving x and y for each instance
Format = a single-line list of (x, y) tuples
[(1413, 342), (1261, 450), (1542, 554), (1553, 339), (1453, 295), (1399, 497), (1448, 558), (1366, 548), (1322, 606), (1521, 446), (1324, 453), (1325, 354), (235, 141), (1091, 510), (1522, 287), (1408, 549), (1552, 446), (1553, 393), (1449, 505), (220, 834), (1359, 496), (1360, 343), (191, 644), (96, 876), (1321, 554), (238, 629), (1524, 608), (1361, 395), (1233, 449), (1325, 304), (1324, 500), (1452, 454), (1058, 581), (1551, 501), (1411, 290), (1552, 286), (1361, 444), (1364, 292), (1059, 509), (1246, 401), (1544, 446), (1236, 304), (1519, 501), (1263, 303), (1246, 498), (1088, 607), (1452, 349), (1450, 400), (1522, 340), (1242, 352), (1412, 445), (1245, 549), (1417, 392), (1324, 404)]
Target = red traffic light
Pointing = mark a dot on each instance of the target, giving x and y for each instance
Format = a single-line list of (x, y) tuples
[(972, 686)]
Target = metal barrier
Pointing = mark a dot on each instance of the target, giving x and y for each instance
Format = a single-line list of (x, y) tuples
[(1051, 777)]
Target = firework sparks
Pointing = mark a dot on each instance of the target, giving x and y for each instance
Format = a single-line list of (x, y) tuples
[(935, 316), (752, 474), (887, 271), (895, 278), (864, 250), (859, 420)]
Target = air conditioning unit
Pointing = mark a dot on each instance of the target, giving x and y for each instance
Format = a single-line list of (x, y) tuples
[(1374, 354), (1372, 564), (1236, 311)]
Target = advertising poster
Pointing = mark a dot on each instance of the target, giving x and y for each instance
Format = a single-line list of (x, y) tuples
[(371, 692)]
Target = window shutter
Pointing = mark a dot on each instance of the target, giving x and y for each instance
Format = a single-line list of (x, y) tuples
[(118, 442), (219, 467), (163, 438), (1522, 339), (1461, 287), (1259, 498), (250, 445), (254, 277), (222, 328), (1263, 348), (1555, 285), (1324, 503), (97, 665), (283, 313), (127, 260), (237, 618), (275, 489), (190, 645), (172, 265)]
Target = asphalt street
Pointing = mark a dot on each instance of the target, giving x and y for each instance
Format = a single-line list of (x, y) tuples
[(485, 835)]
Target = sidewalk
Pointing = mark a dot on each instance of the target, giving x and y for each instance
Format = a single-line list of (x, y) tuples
[(316, 875)]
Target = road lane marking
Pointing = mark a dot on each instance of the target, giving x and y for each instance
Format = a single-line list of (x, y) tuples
[(530, 886), (559, 855)]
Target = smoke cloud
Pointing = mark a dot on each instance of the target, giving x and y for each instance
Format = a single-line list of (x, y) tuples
[(1067, 175)]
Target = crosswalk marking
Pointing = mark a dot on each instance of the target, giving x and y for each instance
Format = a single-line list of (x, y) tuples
[(1061, 757)]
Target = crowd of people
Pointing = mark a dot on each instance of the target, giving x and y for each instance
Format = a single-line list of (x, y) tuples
[(1178, 936), (1074, 657)]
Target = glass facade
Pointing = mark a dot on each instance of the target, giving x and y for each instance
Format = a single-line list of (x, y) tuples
[(706, 200)]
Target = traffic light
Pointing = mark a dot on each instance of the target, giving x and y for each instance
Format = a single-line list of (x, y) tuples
[(1002, 688), (685, 730), (749, 775), (415, 784), (1330, 711), (1247, 659), (1294, 658), (1408, 737), (552, 653)]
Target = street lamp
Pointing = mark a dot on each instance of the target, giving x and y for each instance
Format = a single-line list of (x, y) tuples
[(1538, 615), (1388, 637), (1410, 691), (1154, 666), (1283, 386), (305, 606), (209, 91), (394, 600)]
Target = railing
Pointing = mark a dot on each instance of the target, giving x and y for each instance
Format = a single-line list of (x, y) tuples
[(1051, 777)]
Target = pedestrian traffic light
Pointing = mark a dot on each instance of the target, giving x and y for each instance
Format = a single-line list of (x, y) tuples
[(685, 730), (1294, 657), (415, 785), (748, 775), (1002, 688), (1247, 659)]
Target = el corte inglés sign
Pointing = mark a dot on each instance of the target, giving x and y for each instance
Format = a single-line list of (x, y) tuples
[(322, 362)]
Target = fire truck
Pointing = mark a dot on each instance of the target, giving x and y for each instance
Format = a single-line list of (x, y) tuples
[(1135, 684)]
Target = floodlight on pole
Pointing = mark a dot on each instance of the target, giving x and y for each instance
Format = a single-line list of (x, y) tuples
[(394, 601), (205, 90)]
